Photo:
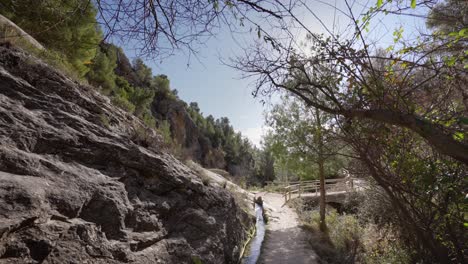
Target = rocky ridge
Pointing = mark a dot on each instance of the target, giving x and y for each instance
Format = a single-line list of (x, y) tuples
[(84, 182)]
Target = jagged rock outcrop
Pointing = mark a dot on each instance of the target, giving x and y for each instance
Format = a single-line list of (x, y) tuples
[(83, 182)]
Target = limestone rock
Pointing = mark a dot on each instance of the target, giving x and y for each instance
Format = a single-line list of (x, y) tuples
[(78, 186)]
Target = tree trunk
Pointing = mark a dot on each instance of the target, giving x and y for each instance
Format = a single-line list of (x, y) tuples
[(323, 224), (320, 162)]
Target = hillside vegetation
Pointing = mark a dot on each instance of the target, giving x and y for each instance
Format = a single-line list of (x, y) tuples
[(72, 37)]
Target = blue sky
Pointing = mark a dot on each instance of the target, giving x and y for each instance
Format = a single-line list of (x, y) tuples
[(218, 88)]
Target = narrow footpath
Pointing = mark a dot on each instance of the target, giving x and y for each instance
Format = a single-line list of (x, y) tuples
[(285, 241)]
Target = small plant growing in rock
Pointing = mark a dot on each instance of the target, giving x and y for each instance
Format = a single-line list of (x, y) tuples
[(196, 260), (144, 136), (105, 120), (205, 180)]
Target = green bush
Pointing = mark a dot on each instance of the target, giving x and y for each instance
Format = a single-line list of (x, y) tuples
[(64, 26), (141, 98), (123, 103), (53, 58), (165, 130), (341, 242), (364, 237), (101, 73), (104, 120), (381, 246), (148, 119)]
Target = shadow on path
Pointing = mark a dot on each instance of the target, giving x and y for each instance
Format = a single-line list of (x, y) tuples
[(285, 242)]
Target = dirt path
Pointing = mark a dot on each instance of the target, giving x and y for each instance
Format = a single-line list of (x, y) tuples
[(285, 241)]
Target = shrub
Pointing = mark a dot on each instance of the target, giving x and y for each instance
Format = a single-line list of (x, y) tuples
[(123, 103), (66, 26), (141, 99), (341, 242), (101, 73), (148, 119), (381, 246), (104, 120), (165, 130), (369, 236), (9, 35), (205, 180), (353, 202)]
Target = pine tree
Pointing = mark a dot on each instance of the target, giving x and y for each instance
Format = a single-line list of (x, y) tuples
[(101, 73), (66, 26)]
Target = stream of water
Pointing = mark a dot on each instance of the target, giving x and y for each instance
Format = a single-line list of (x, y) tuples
[(255, 245)]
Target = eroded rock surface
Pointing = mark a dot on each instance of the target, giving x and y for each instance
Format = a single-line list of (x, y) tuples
[(83, 182)]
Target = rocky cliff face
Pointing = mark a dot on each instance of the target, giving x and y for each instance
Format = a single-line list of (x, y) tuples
[(83, 182), (185, 132)]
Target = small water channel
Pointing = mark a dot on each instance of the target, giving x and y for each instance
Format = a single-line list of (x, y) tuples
[(254, 248)]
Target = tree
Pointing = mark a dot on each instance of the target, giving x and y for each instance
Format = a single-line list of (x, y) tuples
[(143, 73), (354, 64), (165, 26), (268, 168), (101, 73), (308, 135), (424, 187), (449, 16), (412, 92), (65, 26), (141, 98)]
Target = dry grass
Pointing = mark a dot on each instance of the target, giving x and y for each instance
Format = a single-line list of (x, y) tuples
[(242, 199), (200, 172), (342, 241), (349, 240), (221, 172)]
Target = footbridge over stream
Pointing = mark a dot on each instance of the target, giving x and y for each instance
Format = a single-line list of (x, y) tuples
[(336, 189)]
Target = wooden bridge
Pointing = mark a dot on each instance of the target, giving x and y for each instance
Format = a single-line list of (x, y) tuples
[(333, 187)]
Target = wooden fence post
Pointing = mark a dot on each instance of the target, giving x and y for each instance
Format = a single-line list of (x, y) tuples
[(285, 194)]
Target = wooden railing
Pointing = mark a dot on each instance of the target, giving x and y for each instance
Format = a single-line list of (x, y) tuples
[(313, 186)]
